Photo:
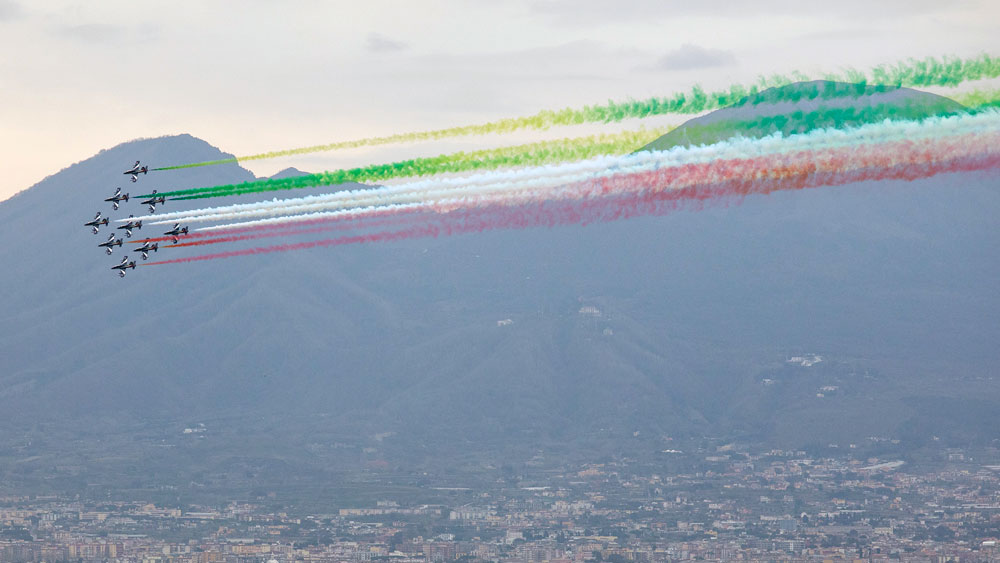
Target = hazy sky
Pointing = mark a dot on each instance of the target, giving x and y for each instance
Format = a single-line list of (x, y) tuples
[(250, 76)]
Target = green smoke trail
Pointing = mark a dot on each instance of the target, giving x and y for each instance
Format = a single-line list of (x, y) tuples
[(978, 98), (947, 71), (798, 122), (534, 154)]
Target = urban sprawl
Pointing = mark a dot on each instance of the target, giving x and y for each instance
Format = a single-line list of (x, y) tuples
[(730, 504)]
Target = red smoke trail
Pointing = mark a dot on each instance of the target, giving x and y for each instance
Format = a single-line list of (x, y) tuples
[(655, 202), (413, 232), (827, 166), (643, 193)]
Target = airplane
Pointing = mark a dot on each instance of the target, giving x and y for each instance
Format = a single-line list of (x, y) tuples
[(97, 222), (151, 202), (111, 242), (123, 266), (131, 225), (146, 247), (136, 170), (177, 231), (117, 198)]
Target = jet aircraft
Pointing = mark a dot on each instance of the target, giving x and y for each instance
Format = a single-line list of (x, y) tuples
[(126, 264), (136, 170), (111, 242), (151, 202), (131, 225), (177, 231), (146, 247), (96, 223), (117, 198)]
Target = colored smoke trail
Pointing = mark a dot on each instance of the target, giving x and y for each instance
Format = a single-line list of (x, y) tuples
[(683, 174), (931, 71), (643, 198), (534, 178), (565, 150)]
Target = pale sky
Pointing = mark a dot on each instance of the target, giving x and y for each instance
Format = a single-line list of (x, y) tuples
[(252, 76)]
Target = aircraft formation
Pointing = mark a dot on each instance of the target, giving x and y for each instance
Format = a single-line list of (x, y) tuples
[(132, 224)]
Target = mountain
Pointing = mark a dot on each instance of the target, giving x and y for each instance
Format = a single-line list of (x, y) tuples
[(284, 369)]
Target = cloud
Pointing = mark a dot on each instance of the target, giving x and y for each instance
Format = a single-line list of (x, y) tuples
[(487, 84), (10, 10), (597, 11), (378, 43), (690, 57), (109, 33)]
